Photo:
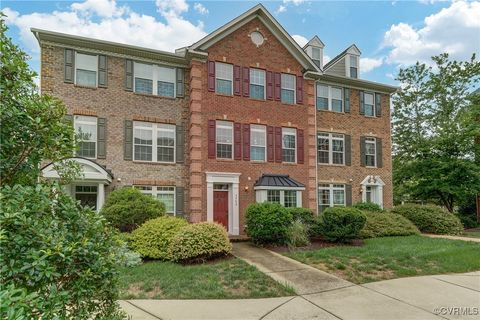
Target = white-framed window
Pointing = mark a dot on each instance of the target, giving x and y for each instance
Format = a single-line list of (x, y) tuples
[(258, 142), (154, 79), (165, 194), (353, 66), (369, 103), (317, 56), (329, 98), (224, 78), (370, 152), (257, 84), (289, 145), (87, 195), (288, 88), (273, 196), (287, 198), (86, 68), (331, 195), (153, 142), (331, 148), (224, 137), (86, 135)]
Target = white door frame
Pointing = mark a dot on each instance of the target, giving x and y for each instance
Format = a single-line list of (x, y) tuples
[(377, 191), (232, 179)]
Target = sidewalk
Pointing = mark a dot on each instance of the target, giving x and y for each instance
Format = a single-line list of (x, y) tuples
[(451, 237)]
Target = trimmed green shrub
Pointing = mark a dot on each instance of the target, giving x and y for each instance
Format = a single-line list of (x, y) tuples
[(153, 237), (368, 206), (341, 224), (57, 260), (199, 242), (306, 216), (127, 208), (430, 219), (297, 234), (267, 223), (386, 224)]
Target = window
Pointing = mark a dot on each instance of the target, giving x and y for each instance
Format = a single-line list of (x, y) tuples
[(224, 78), (86, 135), (369, 104), (329, 98), (290, 198), (154, 142), (273, 196), (224, 136), (370, 152), (353, 66), (153, 79), (288, 88), (257, 84), (86, 66), (87, 195), (289, 145), (331, 148), (317, 56), (287, 198), (165, 194), (258, 140), (331, 195)]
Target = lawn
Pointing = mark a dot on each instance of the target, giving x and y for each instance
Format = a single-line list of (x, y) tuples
[(225, 279), (394, 257)]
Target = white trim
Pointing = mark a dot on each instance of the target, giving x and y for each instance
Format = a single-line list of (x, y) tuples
[(154, 128), (259, 128), (331, 188), (154, 192), (290, 131), (157, 74), (330, 137), (371, 140), (92, 171), (220, 124), (93, 68), (377, 189)]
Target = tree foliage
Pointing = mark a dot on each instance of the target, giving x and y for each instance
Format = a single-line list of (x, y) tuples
[(433, 131)]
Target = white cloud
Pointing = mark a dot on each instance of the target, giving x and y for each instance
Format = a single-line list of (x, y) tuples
[(281, 9), (454, 30), (118, 24), (368, 64), (326, 59), (200, 8), (301, 40), (431, 1)]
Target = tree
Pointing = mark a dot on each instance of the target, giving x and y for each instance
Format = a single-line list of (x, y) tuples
[(433, 133), (32, 126)]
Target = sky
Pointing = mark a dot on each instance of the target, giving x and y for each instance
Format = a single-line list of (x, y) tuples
[(390, 34)]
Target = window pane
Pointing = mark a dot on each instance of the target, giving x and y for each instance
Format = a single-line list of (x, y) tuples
[(338, 197), (337, 151), (290, 198), (324, 197), (288, 155), (337, 105), (224, 151), (368, 98), (288, 81), (143, 71), (316, 53), (86, 135), (143, 85), (288, 141), (168, 200), (166, 74), (224, 132), (273, 196), (322, 91), (257, 153), (337, 93), (86, 78), (165, 89), (353, 72), (369, 110), (87, 149), (257, 77), (257, 92), (288, 96), (86, 62), (143, 143), (223, 71), (353, 61), (224, 87), (257, 142), (323, 146), (322, 103)]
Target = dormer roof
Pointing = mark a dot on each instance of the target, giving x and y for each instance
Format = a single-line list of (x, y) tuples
[(315, 42), (353, 49)]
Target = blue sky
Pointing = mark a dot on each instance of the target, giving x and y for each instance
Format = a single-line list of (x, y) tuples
[(390, 34)]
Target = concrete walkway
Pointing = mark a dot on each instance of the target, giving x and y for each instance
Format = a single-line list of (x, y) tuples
[(324, 296), (451, 237)]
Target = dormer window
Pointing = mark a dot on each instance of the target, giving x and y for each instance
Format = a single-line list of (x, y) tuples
[(317, 56), (353, 66)]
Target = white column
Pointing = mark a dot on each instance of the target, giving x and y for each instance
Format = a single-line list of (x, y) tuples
[(364, 193), (380, 196), (209, 201), (299, 199), (236, 215), (100, 196)]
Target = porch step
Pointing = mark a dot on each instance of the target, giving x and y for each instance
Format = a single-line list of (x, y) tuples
[(243, 238)]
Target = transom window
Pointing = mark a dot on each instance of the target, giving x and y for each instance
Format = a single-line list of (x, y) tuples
[(369, 103), (258, 141), (331, 195), (370, 152), (154, 79), (287, 198), (329, 98), (288, 88), (289, 136), (86, 66), (317, 56), (224, 137), (257, 84), (86, 135), (224, 78), (165, 194), (331, 148), (353, 66), (154, 142)]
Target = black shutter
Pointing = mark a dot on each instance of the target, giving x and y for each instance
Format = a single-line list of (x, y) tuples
[(69, 75), (179, 200), (128, 140), (180, 144), (348, 150), (379, 154), (102, 71), (378, 104), (362, 152), (101, 138), (346, 99), (180, 83), (348, 194), (362, 102), (128, 75)]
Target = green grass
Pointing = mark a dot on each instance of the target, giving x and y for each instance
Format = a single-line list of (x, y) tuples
[(394, 257), (225, 279)]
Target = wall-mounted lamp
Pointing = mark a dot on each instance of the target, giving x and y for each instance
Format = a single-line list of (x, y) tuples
[(246, 188), (119, 179)]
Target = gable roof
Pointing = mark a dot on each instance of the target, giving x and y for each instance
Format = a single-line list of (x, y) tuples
[(352, 49), (273, 26), (314, 42)]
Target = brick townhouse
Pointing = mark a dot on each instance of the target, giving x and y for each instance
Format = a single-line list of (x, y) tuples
[(243, 115)]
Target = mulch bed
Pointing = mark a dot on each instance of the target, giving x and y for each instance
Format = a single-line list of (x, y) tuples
[(317, 243)]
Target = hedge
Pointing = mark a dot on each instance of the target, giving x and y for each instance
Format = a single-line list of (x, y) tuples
[(341, 224), (385, 224), (267, 223)]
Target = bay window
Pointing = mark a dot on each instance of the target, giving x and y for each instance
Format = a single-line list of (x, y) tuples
[(287, 198)]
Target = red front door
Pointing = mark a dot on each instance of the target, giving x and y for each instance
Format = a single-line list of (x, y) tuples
[(220, 207)]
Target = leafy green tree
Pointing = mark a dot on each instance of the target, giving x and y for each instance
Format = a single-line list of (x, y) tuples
[(433, 133), (32, 128)]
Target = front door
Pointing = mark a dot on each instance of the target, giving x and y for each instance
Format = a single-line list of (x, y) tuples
[(220, 207)]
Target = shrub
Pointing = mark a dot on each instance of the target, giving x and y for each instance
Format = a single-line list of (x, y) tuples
[(128, 208), (368, 206), (430, 219), (297, 234), (307, 217), (467, 213), (385, 224), (342, 223), (56, 257), (199, 242), (153, 237), (267, 223)]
